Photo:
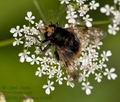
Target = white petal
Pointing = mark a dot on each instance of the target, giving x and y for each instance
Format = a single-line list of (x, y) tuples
[(47, 91), (29, 14), (32, 63), (88, 91), (52, 88), (37, 62), (88, 24), (15, 35), (109, 53), (112, 69), (109, 77), (13, 30), (14, 43), (45, 86), (103, 10), (33, 17), (113, 76), (22, 59), (28, 59), (60, 83)]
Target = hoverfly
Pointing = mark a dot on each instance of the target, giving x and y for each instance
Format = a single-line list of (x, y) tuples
[(68, 43)]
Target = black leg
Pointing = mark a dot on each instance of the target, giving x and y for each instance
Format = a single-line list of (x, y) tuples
[(44, 41), (56, 55), (46, 48)]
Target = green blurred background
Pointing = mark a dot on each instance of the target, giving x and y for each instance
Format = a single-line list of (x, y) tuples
[(18, 79)]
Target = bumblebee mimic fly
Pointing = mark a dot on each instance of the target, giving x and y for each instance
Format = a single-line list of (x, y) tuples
[(68, 43)]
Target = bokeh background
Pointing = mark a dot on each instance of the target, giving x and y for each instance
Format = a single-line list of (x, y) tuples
[(17, 80)]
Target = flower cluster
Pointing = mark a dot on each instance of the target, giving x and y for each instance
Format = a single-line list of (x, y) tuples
[(114, 12), (93, 63), (78, 11), (90, 63), (31, 37)]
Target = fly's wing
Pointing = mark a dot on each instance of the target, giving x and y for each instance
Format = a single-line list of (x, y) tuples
[(67, 58), (89, 35)]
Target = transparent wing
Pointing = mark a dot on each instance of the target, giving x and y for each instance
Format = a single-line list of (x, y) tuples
[(68, 61), (90, 33)]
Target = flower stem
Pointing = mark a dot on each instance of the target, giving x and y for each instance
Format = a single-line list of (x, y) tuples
[(35, 2), (6, 42), (96, 23), (101, 22)]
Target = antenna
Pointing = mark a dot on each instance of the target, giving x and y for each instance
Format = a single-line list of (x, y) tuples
[(39, 10)]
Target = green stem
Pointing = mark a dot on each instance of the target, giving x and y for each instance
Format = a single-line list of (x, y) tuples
[(101, 22), (95, 23), (35, 2), (6, 42)]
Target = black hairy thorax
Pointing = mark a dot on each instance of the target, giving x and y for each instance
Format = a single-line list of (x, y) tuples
[(65, 39)]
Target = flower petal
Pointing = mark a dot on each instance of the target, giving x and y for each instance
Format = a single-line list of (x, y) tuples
[(47, 91)]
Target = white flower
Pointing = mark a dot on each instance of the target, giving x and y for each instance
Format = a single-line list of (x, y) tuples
[(2, 97), (26, 29), (31, 40), (40, 24), (97, 44), (48, 88), (87, 87), (33, 60), (71, 17), (24, 56), (112, 29), (102, 64), (29, 17), (98, 77), (51, 73), (17, 42), (37, 50), (48, 53), (34, 31), (82, 77), (117, 2), (59, 80), (83, 10), (88, 20), (110, 74), (69, 81), (16, 31), (43, 60), (92, 68), (40, 72), (105, 55), (66, 26), (80, 1), (28, 99), (64, 1), (86, 59), (59, 71), (107, 10), (116, 19), (94, 5), (28, 44)]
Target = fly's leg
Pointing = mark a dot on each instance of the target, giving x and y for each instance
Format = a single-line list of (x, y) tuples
[(57, 55)]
